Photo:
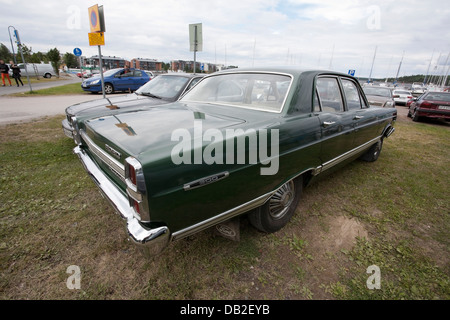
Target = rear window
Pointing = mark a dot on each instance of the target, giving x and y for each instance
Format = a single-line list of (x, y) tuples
[(438, 96)]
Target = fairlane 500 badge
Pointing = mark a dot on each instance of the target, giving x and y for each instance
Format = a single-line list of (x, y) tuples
[(112, 151)]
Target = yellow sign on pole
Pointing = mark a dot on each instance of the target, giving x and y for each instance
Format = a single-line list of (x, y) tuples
[(96, 39)]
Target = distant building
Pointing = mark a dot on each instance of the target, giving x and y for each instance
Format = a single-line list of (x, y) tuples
[(187, 66), (146, 64), (107, 62)]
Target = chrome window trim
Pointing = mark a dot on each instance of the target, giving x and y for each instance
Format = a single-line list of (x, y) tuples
[(249, 108)]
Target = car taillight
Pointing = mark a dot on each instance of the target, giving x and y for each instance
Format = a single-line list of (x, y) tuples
[(132, 175), (136, 189), (425, 104)]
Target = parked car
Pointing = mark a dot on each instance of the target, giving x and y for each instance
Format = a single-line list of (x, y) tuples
[(380, 97), (150, 74), (37, 69), (118, 79), (401, 97), (430, 105), (163, 89), (177, 169)]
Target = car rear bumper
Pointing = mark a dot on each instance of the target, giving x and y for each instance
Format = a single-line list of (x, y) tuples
[(433, 113), (151, 240)]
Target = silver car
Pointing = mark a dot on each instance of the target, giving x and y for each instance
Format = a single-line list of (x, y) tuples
[(380, 97)]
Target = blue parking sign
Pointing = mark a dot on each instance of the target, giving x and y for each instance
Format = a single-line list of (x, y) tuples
[(351, 72)]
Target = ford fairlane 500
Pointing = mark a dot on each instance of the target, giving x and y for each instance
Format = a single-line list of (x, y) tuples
[(242, 141)]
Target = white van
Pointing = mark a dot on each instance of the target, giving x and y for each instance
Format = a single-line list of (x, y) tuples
[(37, 69)]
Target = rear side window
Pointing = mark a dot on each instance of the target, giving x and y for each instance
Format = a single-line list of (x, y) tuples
[(330, 95), (352, 96)]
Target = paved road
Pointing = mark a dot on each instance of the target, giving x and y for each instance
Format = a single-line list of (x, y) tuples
[(19, 109)]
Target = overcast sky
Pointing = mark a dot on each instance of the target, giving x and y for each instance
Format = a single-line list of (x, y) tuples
[(328, 34)]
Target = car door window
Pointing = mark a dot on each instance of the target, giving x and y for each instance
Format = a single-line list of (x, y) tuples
[(137, 73), (352, 97), (330, 95)]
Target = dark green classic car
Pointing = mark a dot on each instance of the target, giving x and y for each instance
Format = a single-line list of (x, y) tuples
[(242, 141)]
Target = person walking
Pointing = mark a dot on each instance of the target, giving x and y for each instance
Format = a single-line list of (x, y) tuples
[(4, 70), (16, 73)]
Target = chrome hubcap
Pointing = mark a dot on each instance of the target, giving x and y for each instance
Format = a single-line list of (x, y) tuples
[(282, 199)]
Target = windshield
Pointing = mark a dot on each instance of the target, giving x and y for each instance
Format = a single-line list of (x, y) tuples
[(164, 87), (374, 91), (260, 91)]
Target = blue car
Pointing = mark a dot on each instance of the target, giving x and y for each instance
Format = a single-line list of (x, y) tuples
[(120, 79)]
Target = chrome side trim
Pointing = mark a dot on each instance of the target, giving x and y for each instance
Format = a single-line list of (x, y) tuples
[(222, 217), (327, 165), (116, 167)]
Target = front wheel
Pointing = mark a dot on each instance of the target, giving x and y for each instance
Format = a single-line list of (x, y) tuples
[(279, 209), (415, 116), (109, 88)]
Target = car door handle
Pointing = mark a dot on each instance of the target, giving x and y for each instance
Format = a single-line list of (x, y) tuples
[(326, 124), (358, 117)]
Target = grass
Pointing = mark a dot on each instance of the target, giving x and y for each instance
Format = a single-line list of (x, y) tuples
[(393, 213), (67, 89)]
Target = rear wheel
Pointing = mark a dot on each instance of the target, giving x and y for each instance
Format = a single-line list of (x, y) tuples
[(279, 209), (373, 153)]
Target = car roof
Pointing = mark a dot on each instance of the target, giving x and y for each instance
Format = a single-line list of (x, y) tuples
[(182, 74), (295, 71)]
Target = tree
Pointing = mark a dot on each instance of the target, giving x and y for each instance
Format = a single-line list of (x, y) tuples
[(26, 54), (54, 57), (70, 60), (5, 54)]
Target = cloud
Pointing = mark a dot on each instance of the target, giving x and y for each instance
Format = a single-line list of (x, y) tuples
[(260, 32)]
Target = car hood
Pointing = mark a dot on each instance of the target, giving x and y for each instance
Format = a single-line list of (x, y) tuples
[(124, 101), (152, 129)]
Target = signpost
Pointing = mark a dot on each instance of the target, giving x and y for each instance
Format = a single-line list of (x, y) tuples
[(77, 52), (19, 46), (96, 36), (195, 40)]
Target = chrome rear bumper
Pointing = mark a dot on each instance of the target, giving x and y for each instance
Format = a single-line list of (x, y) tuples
[(152, 241)]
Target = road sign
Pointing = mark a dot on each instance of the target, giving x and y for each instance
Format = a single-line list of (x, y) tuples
[(77, 52), (196, 37), (96, 19), (96, 39), (351, 72)]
